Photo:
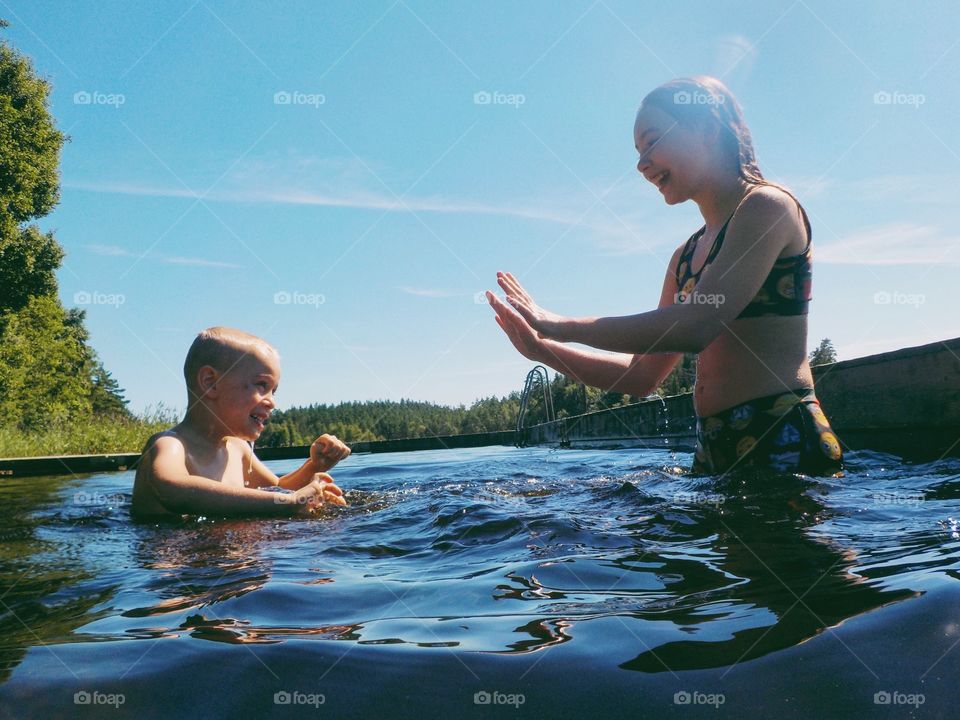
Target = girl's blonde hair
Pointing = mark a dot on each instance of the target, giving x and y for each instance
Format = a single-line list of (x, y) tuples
[(705, 101)]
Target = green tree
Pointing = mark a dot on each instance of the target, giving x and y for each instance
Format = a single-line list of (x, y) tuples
[(42, 367), (825, 353), (48, 371), (682, 378), (29, 182), (106, 396)]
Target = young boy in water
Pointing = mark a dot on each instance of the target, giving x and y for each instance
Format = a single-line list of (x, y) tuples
[(205, 465)]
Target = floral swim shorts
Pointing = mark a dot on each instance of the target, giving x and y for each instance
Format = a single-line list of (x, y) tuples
[(787, 432)]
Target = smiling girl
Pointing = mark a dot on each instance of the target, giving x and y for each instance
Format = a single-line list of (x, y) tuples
[(737, 293)]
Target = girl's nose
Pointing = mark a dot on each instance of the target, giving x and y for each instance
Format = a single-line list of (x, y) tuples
[(643, 163)]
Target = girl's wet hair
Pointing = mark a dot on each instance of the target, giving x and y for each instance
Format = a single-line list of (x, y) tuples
[(707, 102)]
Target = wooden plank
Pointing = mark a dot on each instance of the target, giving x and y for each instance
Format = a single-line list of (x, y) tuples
[(83, 464), (905, 402)]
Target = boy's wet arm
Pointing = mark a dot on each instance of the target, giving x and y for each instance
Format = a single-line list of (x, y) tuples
[(178, 491), (255, 473)]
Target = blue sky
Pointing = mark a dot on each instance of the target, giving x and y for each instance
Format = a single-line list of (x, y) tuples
[(344, 178)]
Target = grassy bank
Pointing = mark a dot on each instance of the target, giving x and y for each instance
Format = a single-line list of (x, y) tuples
[(94, 435)]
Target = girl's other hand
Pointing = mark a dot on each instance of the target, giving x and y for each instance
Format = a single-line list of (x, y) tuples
[(547, 324), (519, 332)]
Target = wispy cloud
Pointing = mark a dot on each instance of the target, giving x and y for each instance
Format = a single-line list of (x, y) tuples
[(925, 188), (362, 200), (734, 55), (117, 251), (895, 244), (432, 292), (109, 250)]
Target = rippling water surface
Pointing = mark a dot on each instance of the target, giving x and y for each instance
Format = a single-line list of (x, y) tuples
[(494, 582)]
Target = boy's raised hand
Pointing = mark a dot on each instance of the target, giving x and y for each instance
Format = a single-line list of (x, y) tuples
[(327, 451)]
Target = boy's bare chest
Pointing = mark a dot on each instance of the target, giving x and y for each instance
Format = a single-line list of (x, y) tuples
[(225, 466)]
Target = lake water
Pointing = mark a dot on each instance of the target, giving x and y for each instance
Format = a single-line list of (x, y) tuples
[(497, 582)]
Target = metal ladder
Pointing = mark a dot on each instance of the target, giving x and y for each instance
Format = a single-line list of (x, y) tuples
[(536, 378)]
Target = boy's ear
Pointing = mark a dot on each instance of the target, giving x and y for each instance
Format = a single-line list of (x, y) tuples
[(207, 377)]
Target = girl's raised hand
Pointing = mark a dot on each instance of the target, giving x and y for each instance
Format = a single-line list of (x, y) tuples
[(523, 337), (546, 324)]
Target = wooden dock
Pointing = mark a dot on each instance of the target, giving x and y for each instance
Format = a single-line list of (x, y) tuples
[(905, 402), (83, 464)]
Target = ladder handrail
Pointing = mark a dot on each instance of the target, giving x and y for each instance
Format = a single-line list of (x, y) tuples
[(536, 377)]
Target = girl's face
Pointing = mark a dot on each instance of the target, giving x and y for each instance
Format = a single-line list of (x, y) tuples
[(677, 158)]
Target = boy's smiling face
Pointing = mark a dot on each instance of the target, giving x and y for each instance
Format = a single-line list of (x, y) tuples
[(246, 393)]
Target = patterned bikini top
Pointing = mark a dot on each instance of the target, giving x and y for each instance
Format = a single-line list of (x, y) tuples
[(785, 291)]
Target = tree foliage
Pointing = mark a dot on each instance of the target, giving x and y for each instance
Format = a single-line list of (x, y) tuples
[(49, 373), (825, 353), (42, 365), (29, 141), (387, 420)]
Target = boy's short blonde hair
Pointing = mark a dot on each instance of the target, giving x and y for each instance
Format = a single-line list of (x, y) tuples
[(221, 348)]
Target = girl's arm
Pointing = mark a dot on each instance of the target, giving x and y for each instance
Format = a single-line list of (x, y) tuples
[(765, 225), (634, 374)]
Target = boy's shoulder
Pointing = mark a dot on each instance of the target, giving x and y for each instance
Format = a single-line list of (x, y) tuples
[(166, 439), (172, 440)]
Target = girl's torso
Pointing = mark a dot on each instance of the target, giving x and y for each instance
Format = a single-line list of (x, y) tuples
[(754, 356)]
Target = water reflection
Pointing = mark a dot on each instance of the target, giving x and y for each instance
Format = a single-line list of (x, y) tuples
[(701, 574), (791, 580), (740, 569), (45, 592)]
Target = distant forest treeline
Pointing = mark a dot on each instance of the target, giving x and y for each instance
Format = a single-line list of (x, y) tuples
[(388, 420)]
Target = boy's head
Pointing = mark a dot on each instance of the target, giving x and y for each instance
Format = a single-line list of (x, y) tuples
[(233, 375)]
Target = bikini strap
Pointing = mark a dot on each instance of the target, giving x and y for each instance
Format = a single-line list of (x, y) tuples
[(719, 241), (688, 251)]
